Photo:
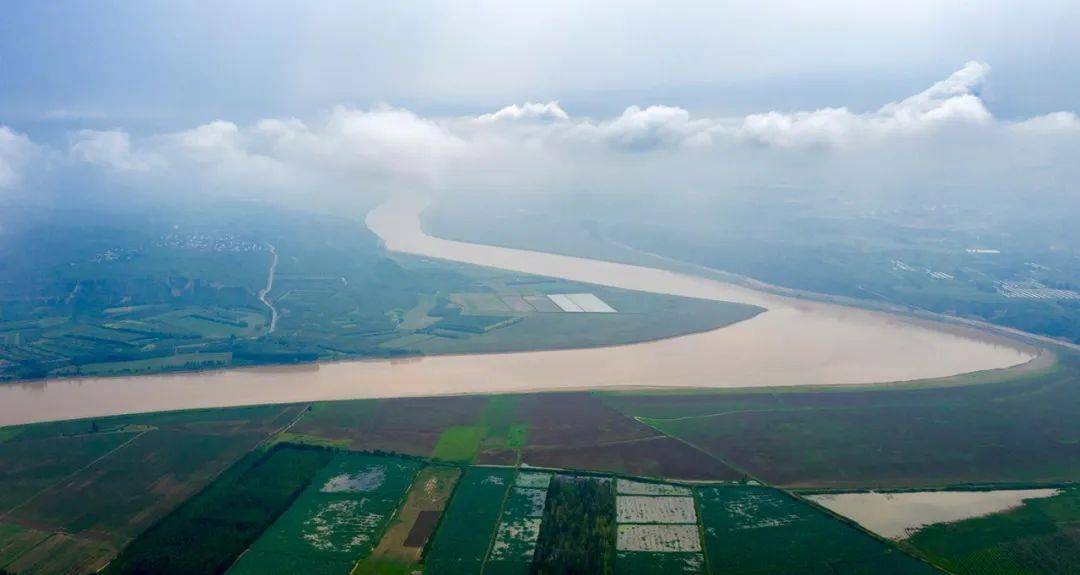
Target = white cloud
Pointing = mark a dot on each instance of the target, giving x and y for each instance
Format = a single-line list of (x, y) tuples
[(654, 127), (388, 138), (370, 147), (112, 149), (16, 151), (349, 150), (1057, 122), (949, 102), (550, 111)]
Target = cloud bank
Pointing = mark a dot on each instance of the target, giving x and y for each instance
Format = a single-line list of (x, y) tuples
[(944, 134), (16, 151)]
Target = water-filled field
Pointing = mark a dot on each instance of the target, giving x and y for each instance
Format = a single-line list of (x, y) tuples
[(751, 529), (898, 515), (337, 520)]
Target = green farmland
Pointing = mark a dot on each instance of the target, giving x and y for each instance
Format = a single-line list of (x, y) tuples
[(761, 530), (179, 290), (336, 521), (468, 527), (334, 487), (208, 532), (1042, 537)]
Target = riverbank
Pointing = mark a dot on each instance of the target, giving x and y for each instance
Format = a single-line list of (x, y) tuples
[(793, 343)]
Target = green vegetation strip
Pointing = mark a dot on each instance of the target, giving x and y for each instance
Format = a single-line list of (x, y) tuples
[(459, 443), (658, 563), (577, 534), (468, 527), (208, 532)]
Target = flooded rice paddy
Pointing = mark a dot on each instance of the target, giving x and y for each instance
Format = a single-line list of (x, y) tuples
[(795, 342), (899, 515)]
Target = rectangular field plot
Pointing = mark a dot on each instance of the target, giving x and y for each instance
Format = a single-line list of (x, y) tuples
[(515, 544), (580, 303), (762, 530), (578, 532), (659, 538), (517, 303), (208, 531), (650, 509), (519, 528), (463, 538), (335, 521), (590, 303), (533, 479), (400, 547), (480, 303), (459, 442), (565, 303), (631, 487), (646, 563), (541, 303)]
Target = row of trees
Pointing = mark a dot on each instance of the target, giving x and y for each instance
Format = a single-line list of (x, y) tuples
[(578, 533)]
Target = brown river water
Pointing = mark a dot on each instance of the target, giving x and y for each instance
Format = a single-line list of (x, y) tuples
[(795, 342)]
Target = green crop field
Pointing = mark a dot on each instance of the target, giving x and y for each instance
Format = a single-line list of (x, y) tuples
[(32, 465), (412, 426), (1040, 537), (62, 553), (459, 443), (148, 487), (468, 527), (336, 521), (16, 540), (96, 484), (646, 563), (761, 530), (208, 532)]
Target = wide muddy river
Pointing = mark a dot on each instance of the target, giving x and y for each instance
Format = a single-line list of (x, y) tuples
[(795, 342)]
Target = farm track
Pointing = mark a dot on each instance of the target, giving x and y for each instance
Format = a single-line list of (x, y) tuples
[(265, 291)]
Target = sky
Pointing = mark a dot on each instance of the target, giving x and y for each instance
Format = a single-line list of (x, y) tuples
[(281, 98)]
